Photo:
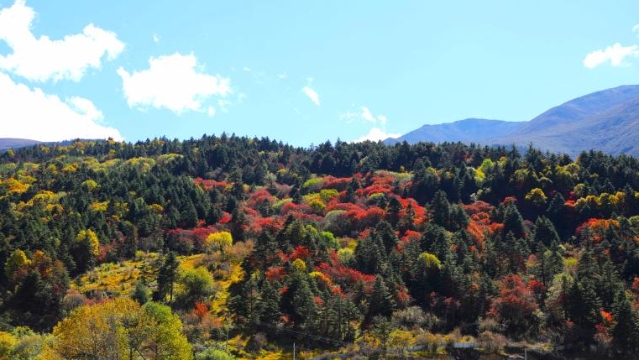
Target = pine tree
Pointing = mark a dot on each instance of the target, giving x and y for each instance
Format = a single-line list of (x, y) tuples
[(269, 304), (625, 334), (167, 275)]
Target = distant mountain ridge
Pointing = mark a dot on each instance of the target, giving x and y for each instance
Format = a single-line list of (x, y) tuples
[(13, 143), (606, 120), (467, 130)]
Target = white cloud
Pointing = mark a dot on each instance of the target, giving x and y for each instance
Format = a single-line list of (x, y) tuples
[(172, 82), (616, 54), (636, 28), (311, 95), (365, 114), (42, 59), (376, 134), (211, 111), (32, 114), (156, 38)]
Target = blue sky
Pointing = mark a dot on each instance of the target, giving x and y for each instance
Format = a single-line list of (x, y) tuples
[(300, 71)]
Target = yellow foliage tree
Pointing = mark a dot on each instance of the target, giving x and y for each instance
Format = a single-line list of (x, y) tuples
[(7, 342), (430, 261), (219, 241), (121, 329), (91, 240), (16, 261), (299, 265), (536, 196)]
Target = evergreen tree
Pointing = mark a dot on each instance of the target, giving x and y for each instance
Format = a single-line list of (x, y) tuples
[(167, 275)]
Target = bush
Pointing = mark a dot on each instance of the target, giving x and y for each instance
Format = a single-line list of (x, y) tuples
[(414, 317), (214, 354), (492, 342)]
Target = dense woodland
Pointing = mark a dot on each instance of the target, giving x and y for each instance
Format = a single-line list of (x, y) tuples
[(238, 247)]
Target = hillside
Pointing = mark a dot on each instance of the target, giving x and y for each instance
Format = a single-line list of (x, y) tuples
[(10, 143), (466, 131), (605, 120), (243, 247)]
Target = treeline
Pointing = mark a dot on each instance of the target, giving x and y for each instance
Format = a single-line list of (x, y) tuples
[(347, 239)]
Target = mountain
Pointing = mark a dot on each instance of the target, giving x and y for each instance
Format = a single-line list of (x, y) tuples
[(606, 120), (11, 143), (467, 130)]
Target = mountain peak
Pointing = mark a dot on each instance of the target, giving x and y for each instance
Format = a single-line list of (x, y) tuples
[(606, 120)]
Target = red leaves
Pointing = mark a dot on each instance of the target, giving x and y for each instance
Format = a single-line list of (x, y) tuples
[(300, 252), (515, 304), (597, 228), (606, 317), (226, 217), (200, 310), (210, 184), (344, 275), (339, 184), (536, 286), (275, 273)]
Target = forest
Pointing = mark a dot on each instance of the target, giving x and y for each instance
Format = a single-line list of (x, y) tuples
[(230, 247)]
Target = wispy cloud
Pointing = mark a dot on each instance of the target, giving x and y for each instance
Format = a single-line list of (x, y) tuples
[(364, 114), (42, 59), (312, 94), (172, 82), (376, 134), (615, 54)]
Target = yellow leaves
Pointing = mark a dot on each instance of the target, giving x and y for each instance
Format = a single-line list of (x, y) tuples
[(99, 206), (400, 338), (322, 278), (570, 265), (90, 184), (345, 255), (537, 197), (328, 194), (299, 265), (70, 168), (219, 241), (165, 159), (606, 202), (13, 186), (91, 239), (486, 167), (45, 198), (430, 261), (313, 184), (116, 328), (156, 208), (7, 342), (141, 163), (317, 206), (16, 261)]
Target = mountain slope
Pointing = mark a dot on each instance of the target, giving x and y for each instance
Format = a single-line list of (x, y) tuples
[(606, 120), (11, 143), (467, 130)]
